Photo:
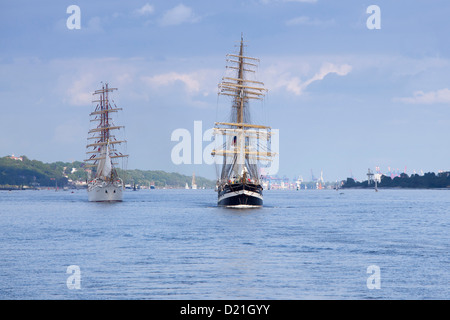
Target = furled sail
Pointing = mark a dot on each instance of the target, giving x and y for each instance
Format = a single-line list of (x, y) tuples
[(241, 145), (244, 144), (102, 141)]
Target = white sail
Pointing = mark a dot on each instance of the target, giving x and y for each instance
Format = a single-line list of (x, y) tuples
[(104, 164), (107, 167), (101, 164)]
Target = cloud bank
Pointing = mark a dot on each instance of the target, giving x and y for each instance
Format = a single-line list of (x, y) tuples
[(178, 15), (420, 97), (295, 85)]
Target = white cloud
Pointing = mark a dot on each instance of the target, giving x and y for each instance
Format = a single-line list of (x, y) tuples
[(146, 9), (295, 85), (197, 86), (304, 20), (78, 78), (326, 69), (420, 97), (94, 25), (192, 85), (79, 92), (201, 82), (178, 15)]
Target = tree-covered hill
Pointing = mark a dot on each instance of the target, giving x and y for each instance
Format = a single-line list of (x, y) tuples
[(163, 179), (33, 173), (26, 172), (429, 180)]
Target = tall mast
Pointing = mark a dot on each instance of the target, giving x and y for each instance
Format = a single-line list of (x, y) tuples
[(105, 108), (238, 87), (240, 156), (106, 113), (102, 134), (240, 111)]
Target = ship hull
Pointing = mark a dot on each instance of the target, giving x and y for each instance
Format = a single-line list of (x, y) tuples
[(240, 196), (105, 193)]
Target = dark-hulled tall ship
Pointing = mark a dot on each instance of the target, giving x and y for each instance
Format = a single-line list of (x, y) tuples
[(244, 144)]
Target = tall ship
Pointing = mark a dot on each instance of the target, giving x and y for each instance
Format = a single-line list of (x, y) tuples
[(102, 150), (243, 144)]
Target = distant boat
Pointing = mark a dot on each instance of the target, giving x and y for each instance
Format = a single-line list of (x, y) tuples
[(239, 184), (194, 185), (106, 185), (336, 186), (187, 186), (298, 183), (370, 178)]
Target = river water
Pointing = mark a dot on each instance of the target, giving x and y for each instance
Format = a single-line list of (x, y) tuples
[(177, 244)]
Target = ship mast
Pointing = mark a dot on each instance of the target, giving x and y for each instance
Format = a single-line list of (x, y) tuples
[(240, 111), (242, 90), (103, 147), (104, 116)]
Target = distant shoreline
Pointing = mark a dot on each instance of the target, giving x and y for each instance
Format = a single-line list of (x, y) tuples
[(426, 181), (19, 173)]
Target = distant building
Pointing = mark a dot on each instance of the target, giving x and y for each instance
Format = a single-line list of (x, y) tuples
[(444, 173), (15, 158)]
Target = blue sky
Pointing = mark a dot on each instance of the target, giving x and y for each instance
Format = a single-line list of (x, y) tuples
[(344, 98)]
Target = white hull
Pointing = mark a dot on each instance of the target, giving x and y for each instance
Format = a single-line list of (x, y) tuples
[(101, 193)]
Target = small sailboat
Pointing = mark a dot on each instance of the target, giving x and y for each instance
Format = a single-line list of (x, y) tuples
[(105, 185), (194, 185), (239, 184)]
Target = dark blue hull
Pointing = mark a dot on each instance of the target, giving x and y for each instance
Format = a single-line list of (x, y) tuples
[(240, 195)]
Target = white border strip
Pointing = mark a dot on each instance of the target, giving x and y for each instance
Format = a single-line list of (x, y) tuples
[(236, 193)]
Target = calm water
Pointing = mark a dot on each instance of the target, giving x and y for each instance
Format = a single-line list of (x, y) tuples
[(176, 244)]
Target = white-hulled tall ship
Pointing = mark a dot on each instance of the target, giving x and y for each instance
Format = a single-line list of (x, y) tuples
[(244, 144), (104, 183)]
